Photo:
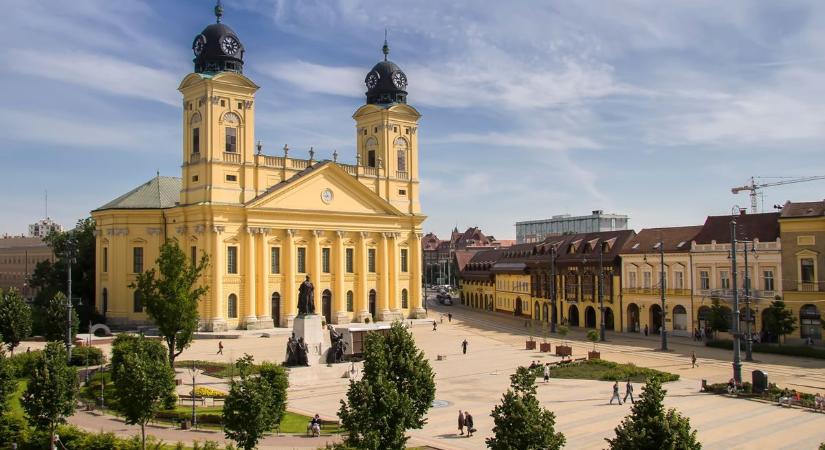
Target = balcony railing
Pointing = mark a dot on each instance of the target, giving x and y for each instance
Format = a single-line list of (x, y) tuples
[(656, 291), (402, 175), (231, 157), (371, 171), (808, 286), (194, 157)]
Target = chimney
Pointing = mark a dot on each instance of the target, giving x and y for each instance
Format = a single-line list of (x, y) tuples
[(742, 211)]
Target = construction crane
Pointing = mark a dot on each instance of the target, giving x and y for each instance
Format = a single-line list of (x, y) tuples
[(754, 187)]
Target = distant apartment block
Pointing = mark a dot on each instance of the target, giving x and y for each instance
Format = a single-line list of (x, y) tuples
[(537, 230)]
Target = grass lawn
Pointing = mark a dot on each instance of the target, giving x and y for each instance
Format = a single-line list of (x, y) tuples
[(213, 368), (15, 408), (290, 423), (599, 369)]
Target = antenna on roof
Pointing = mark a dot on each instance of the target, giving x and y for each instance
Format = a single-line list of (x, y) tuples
[(47, 203), (386, 47), (218, 11)]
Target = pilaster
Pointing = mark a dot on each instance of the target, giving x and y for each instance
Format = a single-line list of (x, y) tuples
[(217, 322), (288, 294), (416, 266), (340, 313), (251, 317), (361, 288)]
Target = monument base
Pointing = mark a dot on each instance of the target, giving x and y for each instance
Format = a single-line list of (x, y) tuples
[(419, 313), (309, 327), (341, 317), (362, 315), (262, 323), (216, 325)]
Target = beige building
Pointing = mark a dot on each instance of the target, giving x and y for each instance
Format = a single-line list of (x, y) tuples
[(269, 221), (18, 258)]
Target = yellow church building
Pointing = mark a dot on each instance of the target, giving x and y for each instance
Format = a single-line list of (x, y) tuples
[(267, 222)]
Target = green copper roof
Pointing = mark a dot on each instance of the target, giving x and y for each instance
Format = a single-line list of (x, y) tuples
[(159, 192)]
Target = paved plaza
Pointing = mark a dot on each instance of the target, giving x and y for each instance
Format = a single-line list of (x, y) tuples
[(476, 381)]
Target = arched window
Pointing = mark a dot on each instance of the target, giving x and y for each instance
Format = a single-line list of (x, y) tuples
[(231, 120), (105, 302), (404, 299), (196, 136), (371, 149), (138, 303), (401, 151), (350, 306), (232, 306)]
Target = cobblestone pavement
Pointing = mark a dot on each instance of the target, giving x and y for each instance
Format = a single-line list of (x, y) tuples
[(476, 381)]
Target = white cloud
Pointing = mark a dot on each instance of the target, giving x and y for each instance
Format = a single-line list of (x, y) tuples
[(101, 73)]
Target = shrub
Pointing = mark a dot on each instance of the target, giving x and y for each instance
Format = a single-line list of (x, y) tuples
[(203, 391), (599, 369), (23, 363), (82, 356)]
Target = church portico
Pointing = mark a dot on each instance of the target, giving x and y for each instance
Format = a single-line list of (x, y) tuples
[(268, 222)]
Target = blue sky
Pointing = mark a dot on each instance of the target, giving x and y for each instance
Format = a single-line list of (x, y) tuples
[(531, 108)]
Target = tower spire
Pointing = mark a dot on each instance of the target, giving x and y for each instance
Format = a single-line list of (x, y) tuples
[(218, 11), (386, 48)]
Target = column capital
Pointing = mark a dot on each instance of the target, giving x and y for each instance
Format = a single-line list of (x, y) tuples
[(365, 234), (340, 234), (252, 230), (418, 235), (291, 232), (318, 233), (218, 229), (200, 228)]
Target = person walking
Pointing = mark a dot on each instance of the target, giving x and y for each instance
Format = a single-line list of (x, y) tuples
[(435, 325), (616, 393), (546, 372), (646, 329), (693, 360), (628, 391), (449, 317), (461, 420), (464, 346), (220, 347), (468, 422)]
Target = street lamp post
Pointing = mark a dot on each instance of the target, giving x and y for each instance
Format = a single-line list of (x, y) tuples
[(70, 260), (193, 372), (748, 315), (737, 363), (662, 286), (554, 314), (601, 290)]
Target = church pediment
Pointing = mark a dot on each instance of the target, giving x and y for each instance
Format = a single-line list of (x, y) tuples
[(324, 188)]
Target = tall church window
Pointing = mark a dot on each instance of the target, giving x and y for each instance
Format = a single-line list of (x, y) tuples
[(325, 252), (231, 140), (372, 150), (350, 254), (350, 305), (105, 259), (232, 260), (401, 151), (137, 260), (275, 260), (196, 140), (371, 260), (404, 299), (302, 260), (137, 306), (403, 259)]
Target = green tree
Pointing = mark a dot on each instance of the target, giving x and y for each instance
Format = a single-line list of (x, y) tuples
[(171, 297), (719, 316), (650, 427), (15, 318), (8, 383), (142, 377), (49, 278), (254, 404), (392, 396), (520, 421), (778, 319), (54, 319), (52, 389)]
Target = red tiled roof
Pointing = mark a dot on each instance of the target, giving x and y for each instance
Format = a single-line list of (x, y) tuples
[(803, 209), (676, 239), (764, 227)]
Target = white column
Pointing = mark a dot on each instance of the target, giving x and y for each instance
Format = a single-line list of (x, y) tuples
[(250, 297)]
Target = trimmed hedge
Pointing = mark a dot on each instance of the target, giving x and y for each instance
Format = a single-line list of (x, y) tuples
[(94, 354), (600, 369), (773, 393), (759, 347)]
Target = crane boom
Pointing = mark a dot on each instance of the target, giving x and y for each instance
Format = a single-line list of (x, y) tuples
[(754, 187)]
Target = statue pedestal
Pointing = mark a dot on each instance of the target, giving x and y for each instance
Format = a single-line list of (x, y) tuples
[(309, 327)]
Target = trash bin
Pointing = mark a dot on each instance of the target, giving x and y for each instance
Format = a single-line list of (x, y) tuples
[(760, 381)]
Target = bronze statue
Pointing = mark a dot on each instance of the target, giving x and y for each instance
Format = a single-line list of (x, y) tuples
[(306, 298), (296, 352), (335, 354)]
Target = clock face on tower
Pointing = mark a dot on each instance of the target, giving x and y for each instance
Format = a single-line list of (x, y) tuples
[(372, 80), (230, 45), (326, 195), (198, 45), (399, 80)]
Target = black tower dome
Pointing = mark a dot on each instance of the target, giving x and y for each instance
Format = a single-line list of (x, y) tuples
[(217, 48), (386, 83)]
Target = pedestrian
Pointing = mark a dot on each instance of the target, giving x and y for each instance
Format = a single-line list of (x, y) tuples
[(464, 346), (442, 318), (616, 393), (693, 359), (546, 372), (220, 347), (468, 422), (628, 391), (646, 330), (449, 317), (435, 325), (702, 333), (460, 423)]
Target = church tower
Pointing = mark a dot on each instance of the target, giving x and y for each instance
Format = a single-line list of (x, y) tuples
[(218, 121), (387, 136)]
